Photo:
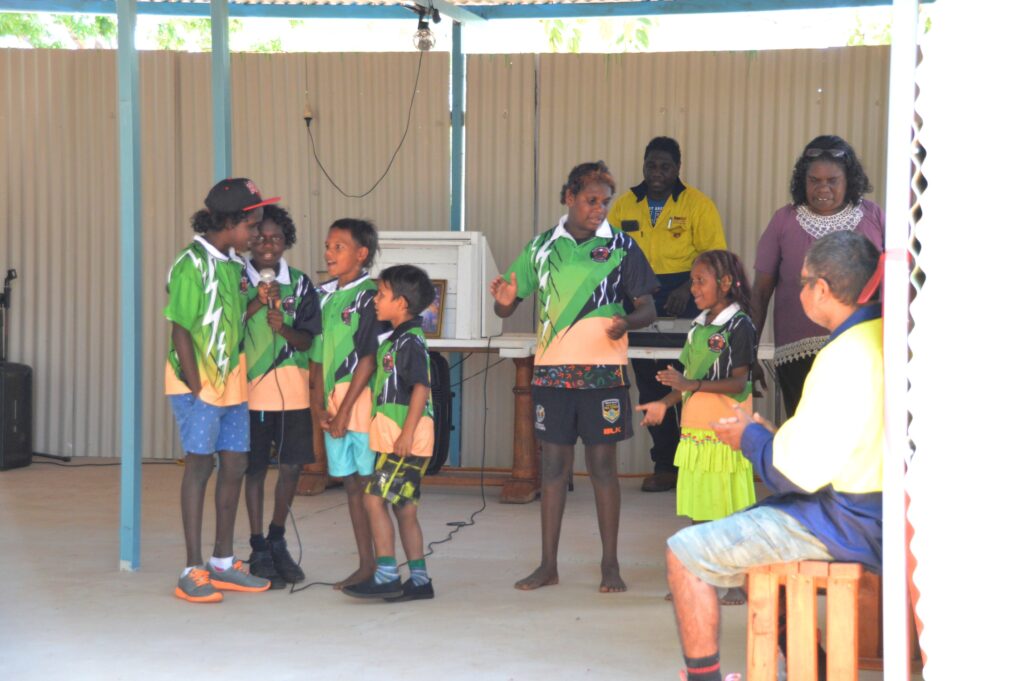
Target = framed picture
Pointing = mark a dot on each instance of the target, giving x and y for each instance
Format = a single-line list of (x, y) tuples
[(433, 316)]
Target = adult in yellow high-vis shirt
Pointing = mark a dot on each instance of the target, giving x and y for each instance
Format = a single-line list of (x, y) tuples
[(673, 224)]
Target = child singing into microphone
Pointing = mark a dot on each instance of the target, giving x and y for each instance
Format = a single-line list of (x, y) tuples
[(282, 318)]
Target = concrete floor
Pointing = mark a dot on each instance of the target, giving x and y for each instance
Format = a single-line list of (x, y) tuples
[(66, 612)]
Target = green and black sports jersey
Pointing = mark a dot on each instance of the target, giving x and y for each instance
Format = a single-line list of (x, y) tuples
[(206, 296), (278, 373), (350, 330), (580, 287), (403, 362)]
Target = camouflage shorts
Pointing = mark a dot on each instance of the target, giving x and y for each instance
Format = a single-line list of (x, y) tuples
[(396, 479)]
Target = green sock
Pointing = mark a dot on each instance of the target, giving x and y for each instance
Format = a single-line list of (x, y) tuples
[(418, 572)]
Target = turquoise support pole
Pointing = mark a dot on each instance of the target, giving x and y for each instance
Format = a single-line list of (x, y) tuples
[(458, 85), (130, 185), (220, 86)]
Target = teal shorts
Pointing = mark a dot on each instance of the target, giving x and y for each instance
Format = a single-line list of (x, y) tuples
[(349, 454)]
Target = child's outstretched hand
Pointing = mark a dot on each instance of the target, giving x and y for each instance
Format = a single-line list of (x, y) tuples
[(654, 412), (673, 379), (617, 328), (504, 291)]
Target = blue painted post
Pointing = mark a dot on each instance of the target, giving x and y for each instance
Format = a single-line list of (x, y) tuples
[(130, 186), (458, 86), (220, 87)]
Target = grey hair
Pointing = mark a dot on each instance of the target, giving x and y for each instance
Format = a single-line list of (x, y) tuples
[(846, 260)]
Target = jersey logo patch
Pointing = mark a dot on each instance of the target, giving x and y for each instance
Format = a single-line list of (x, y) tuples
[(716, 343), (288, 305), (243, 286), (346, 317), (611, 410), (388, 363), (600, 254)]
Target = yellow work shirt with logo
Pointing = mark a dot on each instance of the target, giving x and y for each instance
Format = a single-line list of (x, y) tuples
[(689, 224)]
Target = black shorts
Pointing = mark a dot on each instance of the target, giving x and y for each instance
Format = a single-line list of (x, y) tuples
[(598, 416), (290, 432)]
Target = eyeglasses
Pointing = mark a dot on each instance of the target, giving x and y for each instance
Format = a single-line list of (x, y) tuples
[(274, 239), (814, 152)]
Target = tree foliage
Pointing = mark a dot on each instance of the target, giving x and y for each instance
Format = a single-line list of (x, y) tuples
[(56, 31)]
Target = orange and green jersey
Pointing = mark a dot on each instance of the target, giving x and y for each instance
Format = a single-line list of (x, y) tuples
[(206, 296), (278, 373), (350, 330), (580, 287), (403, 362)]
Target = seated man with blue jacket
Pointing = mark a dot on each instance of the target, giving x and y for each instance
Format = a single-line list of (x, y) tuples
[(824, 465)]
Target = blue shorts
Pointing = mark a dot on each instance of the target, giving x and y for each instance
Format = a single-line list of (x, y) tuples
[(205, 429), (720, 552), (349, 454)]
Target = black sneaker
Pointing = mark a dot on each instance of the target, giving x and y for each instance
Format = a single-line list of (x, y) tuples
[(283, 563), (411, 592), (261, 564), (371, 589)]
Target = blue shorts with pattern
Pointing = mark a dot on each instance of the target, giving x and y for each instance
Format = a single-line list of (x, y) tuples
[(349, 454), (720, 552), (206, 429)]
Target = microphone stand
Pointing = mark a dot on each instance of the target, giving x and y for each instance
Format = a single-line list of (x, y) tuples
[(5, 306)]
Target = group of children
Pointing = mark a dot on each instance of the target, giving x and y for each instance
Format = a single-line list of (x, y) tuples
[(257, 351), (352, 351)]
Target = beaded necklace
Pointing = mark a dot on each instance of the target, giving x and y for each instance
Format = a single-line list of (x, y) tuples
[(820, 225)]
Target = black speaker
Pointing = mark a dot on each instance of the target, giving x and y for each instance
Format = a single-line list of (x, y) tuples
[(15, 415), (441, 393)]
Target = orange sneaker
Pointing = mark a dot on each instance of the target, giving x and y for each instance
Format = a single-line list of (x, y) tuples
[(237, 578), (194, 586)]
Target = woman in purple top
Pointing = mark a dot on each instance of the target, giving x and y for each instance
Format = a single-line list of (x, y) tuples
[(827, 186)]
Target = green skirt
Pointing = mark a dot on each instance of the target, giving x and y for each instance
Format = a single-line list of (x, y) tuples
[(714, 480)]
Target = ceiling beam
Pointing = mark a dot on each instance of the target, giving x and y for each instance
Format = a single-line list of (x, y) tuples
[(460, 13)]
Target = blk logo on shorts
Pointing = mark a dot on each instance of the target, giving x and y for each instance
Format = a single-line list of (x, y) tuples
[(539, 421), (611, 410)]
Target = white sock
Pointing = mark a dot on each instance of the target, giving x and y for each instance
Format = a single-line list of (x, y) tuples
[(221, 563), (189, 569)]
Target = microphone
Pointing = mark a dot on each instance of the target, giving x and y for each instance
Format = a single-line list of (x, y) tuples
[(267, 277)]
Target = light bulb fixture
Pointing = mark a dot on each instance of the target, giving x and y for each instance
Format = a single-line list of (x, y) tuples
[(423, 38)]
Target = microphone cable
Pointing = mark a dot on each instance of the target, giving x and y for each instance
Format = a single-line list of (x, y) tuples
[(456, 525)]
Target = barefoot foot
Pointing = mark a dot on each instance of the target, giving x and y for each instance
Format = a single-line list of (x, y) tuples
[(357, 577), (734, 596), (542, 576), (611, 582)]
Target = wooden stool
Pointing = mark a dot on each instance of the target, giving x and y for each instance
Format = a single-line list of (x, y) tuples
[(802, 580)]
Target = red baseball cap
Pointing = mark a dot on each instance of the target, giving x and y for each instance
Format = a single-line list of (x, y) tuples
[(236, 194)]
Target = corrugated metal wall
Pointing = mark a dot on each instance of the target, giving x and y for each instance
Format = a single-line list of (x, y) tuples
[(59, 189), (741, 118)]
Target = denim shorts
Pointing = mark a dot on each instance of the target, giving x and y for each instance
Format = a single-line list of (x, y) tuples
[(349, 454), (205, 428), (720, 552)]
